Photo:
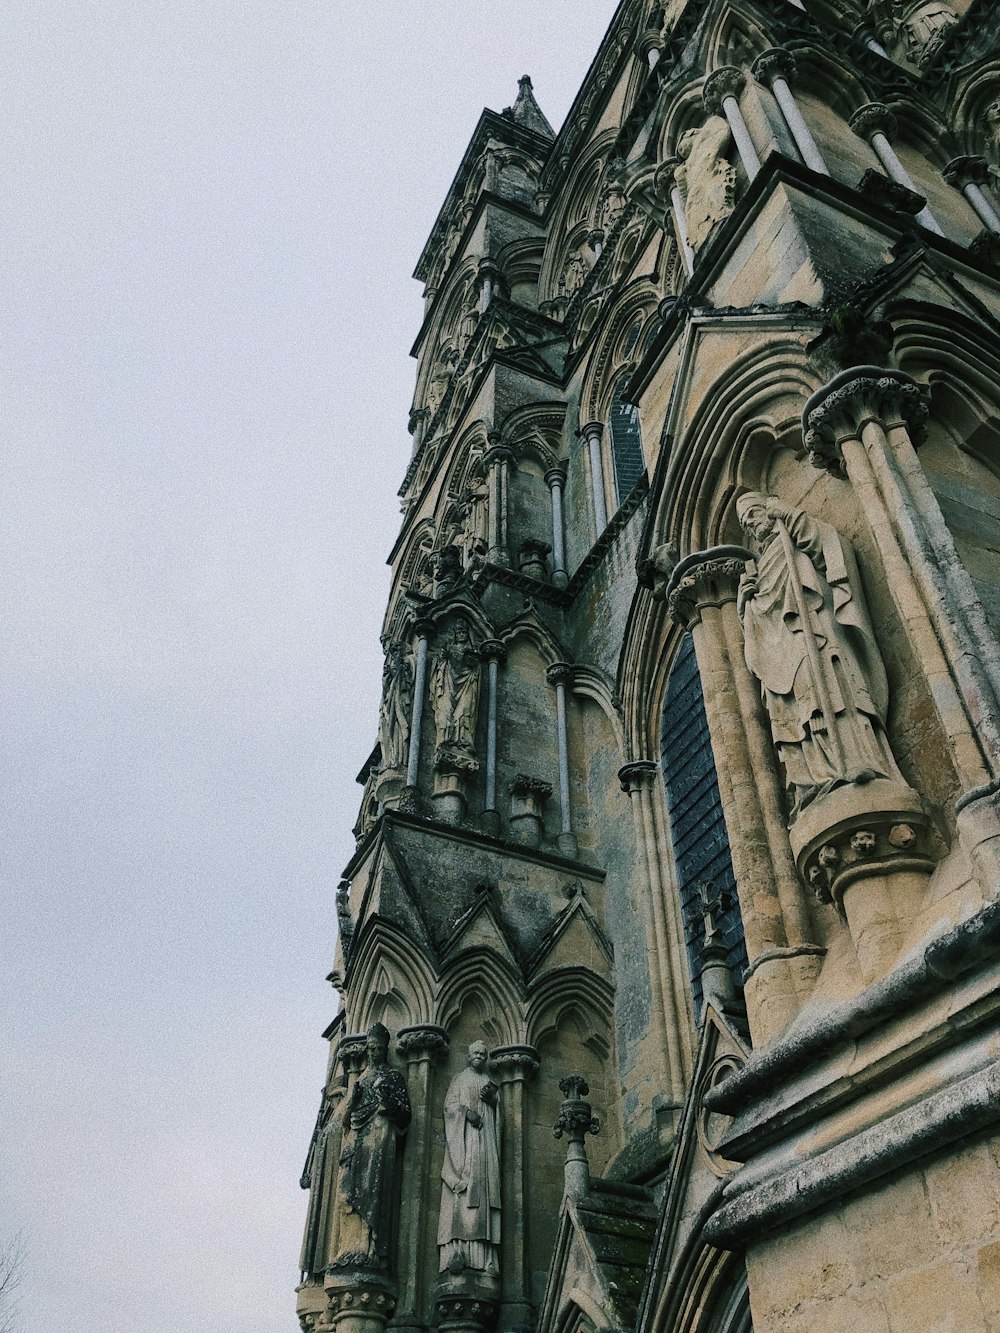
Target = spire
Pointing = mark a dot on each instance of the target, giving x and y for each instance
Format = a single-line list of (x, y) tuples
[(526, 111)]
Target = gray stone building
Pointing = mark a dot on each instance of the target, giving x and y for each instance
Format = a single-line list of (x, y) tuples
[(682, 831)]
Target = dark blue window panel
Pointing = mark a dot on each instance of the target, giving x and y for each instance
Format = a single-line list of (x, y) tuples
[(626, 443), (697, 826)]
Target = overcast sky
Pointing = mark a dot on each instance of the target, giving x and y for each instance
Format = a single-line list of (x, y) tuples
[(209, 214)]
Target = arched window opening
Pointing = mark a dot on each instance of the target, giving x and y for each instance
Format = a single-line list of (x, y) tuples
[(697, 825), (626, 441)]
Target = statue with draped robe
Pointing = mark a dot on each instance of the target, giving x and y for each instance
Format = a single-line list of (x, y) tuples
[(469, 1223)]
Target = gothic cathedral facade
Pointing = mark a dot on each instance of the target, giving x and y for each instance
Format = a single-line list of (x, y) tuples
[(669, 955)]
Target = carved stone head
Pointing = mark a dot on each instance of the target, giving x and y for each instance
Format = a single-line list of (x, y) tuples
[(377, 1042), (478, 1056), (754, 516)]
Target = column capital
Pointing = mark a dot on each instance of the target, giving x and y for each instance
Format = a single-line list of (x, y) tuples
[(774, 63), (873, 118), (637, 774), (515, 1063), (966, 170), (498, 452), (493, 650), (556, 476), (592, 430), (559, 673), (418, 417), (424, 628), (664, 176), (727, 81), (706, 578), (488, 268), (423, 1041), (842, 409), (352, 1050)]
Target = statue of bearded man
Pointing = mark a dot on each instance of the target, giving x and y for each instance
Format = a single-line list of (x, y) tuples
[(809, 641), (469, 1226)]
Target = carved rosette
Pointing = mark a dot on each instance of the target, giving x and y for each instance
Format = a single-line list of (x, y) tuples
[(515, 1063), (873, 829), (705, 579), (728, 81), (424, 1041), (842, 409)]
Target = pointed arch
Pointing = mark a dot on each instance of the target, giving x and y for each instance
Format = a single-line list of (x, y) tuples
[(482, 972), (384, 948)]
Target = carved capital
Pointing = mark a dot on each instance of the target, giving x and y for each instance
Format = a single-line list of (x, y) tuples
[(850, 401), (354, 1287), (707, 578), (873, 118), (515, 1063), (576, 1118), (664, 177), (593, 430), (728, 81), (424, 1041), (418, 418), (638, 774), (556, 476), (775, 63), (498, 453), (493, 650), (961, 171), (534, 790), (559, 673), (353, 1051), (986, 248), (465, 1310), (424, 628)]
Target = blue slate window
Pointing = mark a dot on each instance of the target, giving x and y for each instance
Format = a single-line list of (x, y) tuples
[(626, 442), (697, 826)]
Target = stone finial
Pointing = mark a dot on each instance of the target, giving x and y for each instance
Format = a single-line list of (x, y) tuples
[(873, 118), (774, 63), (727, 81), (576, 1121), (526, 112)]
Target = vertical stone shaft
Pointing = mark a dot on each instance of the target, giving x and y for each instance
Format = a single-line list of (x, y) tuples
[(875, 122), (592, 433), (776, 68), (555, 479), (514, 1066), (494, 652), (419, 692), (721, 91)]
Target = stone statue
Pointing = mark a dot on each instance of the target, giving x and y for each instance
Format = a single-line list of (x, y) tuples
[(469, 1225), (706, 179), (810, 643), (455, 696), (925, 27), (376, 1118), (475, 534), (396, 706), (574, 275), (319, 1177)]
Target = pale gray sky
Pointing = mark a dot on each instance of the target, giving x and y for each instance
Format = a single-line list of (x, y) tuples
[(209, 214)]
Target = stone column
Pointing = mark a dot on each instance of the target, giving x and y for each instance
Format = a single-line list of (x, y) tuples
[(721, 93), (666, 181), (555, 479), (425, 631), (418, 424), (874, 122), (775, 69), (783, 960), (558, 675), (592, 433), (969, 175), (664, 940), (421, 1047), (865, 35), (576, 1121), (514, 1066), (498, 459), (494, 653), (864, 424)]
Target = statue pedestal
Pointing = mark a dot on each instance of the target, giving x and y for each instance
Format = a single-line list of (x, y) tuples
[(466, 1302), (866, 848), (358, 1301)]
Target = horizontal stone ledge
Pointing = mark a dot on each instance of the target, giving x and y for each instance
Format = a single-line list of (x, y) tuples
[(904, 1138), (971, 944)]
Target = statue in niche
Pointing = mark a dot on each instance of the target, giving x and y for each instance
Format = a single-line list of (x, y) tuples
[(810, 643), (612, 207), (319, 1177), (924, 28), (574, 275), (455, 697), (396, 706), (706, 179), (475, 535), (469, 1224), (376, 1118)]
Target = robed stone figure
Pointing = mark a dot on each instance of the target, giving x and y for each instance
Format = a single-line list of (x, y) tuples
[(395, 708), (469, 1225), (455, 696), (376, 1118), (319, 1177), (810, 643)]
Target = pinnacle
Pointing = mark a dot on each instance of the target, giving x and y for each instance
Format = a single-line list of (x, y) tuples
[(526, 111)]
